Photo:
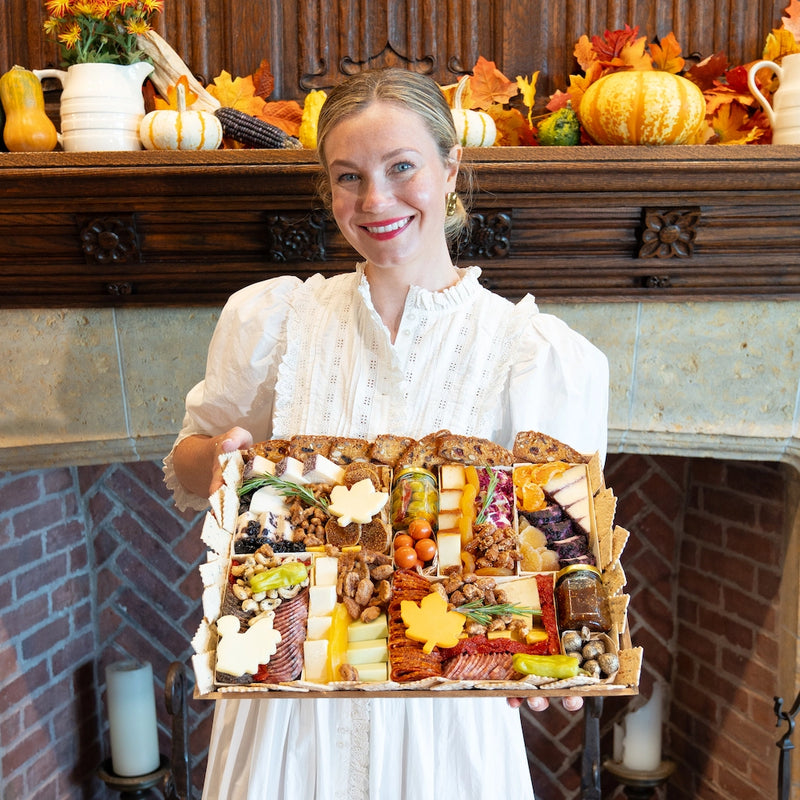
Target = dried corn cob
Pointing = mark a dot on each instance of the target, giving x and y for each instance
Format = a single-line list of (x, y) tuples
[(250, 130)]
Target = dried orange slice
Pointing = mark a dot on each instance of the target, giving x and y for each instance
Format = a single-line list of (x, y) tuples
[(533, 497), (465, 529), (468, 500), (471, 475)]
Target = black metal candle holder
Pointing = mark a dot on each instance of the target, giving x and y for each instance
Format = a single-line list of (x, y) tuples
[(640, 784), (134, 786)]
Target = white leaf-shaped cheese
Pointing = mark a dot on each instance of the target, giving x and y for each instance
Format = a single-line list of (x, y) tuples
[(360, 503)]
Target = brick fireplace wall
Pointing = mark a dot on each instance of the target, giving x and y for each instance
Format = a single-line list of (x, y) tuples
[(98, 565)]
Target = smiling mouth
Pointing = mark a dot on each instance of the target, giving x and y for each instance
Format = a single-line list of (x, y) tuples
[(389, 227)]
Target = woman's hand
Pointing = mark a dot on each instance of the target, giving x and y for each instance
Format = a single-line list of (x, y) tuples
[(571, 703), (196, 459)]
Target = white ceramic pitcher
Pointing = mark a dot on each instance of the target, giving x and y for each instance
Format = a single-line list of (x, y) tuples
[(784, 113), (101, 105)]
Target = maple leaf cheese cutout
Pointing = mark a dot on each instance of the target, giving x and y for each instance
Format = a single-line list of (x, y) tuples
[(431, 623), (791, 22), (359, 503), (488, 85), (666, 54)]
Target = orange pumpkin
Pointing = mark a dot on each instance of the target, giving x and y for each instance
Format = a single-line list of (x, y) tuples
[(642, 107)]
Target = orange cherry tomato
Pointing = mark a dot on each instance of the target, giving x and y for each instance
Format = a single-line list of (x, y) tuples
[(420, 529), (403, 540), (405, 557), (426, 549)]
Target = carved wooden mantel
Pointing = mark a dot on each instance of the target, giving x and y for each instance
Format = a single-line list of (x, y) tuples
[(567, 224)]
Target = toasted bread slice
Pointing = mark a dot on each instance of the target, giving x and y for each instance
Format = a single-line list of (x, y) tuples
[(474, 450), (302, 446), (346, 450), (273, 449), (387, 449), (424, 452), (538, 448)]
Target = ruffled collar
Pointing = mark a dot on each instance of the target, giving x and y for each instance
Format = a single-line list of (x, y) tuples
[(453, 296)]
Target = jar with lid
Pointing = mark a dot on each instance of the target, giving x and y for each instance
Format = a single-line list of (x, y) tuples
[(581, 599), (415, 495)]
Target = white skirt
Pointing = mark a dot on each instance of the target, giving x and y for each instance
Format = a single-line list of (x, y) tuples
[(370, 749)]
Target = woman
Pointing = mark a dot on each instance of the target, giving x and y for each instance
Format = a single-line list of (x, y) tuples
[(407, 344)]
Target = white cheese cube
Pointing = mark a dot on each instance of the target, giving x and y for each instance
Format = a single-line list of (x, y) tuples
[(318, 469), (290, 469), (369, 652), (268, 499), (373, 673), (325, 571), (448, 520), (451, 476), (315, 658), (359, 631), (318, 627), (450, 500), (449, 545), (321, 600), (261, 466)]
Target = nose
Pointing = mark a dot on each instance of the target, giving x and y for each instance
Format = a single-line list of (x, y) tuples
[(373, 195)]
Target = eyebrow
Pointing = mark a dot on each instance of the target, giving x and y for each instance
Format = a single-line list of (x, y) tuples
[(344, 163)]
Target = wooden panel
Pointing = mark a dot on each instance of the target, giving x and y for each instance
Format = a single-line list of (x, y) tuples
[(184, 228)]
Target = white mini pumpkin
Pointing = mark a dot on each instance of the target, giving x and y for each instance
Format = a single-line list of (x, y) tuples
[(474, 128), (184, 129)]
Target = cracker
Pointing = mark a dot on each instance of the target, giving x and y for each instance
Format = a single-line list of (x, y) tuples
[(596, 479), (205, 639), (347, 450), (203, 666), (212, 603), (619, 539), (630, 666), (387, 449), (473, 450), (232, 468), (212, 572), (230, 508), (618, 609), (605, 506), (614, 579), (273, 449), (302, 446), (538, 448), (214, 536)]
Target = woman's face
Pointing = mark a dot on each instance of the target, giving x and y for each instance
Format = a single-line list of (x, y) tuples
[(388, 187)]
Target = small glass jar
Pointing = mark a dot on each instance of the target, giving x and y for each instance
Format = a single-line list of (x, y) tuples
[(415, 495), (581, 599)]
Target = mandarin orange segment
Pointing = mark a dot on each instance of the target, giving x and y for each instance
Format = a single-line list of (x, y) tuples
[(533, 497)]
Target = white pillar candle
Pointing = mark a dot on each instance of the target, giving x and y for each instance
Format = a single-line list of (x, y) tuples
[(132, 718), (642, 744)]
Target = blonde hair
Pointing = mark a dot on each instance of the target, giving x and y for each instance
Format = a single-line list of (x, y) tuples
[(409, 90)]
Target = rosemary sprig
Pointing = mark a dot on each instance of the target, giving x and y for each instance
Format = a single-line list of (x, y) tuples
[(494, 478), (482, 614), (286, 488)]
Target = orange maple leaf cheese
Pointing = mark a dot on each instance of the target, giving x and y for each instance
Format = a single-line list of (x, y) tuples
[(431, 623)]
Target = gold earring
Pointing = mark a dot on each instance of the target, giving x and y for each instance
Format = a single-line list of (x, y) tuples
[(451, 204)]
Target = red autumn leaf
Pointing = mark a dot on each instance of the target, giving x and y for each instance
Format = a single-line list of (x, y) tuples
[(736, 78), (666, 54), (791, 22), (708, 70), (263, 80), (610, 45), (488, 85)]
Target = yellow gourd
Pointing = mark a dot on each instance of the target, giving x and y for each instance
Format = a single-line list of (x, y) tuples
[(181, 129), (27, 127), (642, 107), (474, 128)]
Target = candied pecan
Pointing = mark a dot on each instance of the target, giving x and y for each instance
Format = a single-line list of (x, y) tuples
[(473, 628), (500, 596), (457, 598), (350, 585), (353, 608), (453, 583), (485, 582), (347, 672), (313, 541), (383, 592), (363, 591), (370, 613), (497, 624), (381, 572), (471, 591), (489, 597), (439, 589)]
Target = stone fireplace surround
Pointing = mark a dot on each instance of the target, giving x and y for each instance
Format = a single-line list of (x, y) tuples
[(703, 456)]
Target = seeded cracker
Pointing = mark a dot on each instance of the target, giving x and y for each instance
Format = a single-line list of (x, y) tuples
[(618, 609), (614, 579), (618, 542), (212, 572), (205, 639), (214, 536), (630, 666)]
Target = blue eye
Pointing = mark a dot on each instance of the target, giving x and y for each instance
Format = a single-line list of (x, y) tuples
[(347, 177), (403, 166)]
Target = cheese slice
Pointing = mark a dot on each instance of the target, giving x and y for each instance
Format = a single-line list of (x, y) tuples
[(315, 657), (318, 469), (262, 466), (523, 592), (373, 673), (449, 519), (369, 652), (359, 631), (451, 476), (267, 500), (318, 627), (449, 545), (325, 571), (291, 469), (450, 500), (321, 600)]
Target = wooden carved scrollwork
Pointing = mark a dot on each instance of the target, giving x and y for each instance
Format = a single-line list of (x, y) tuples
[(668, 232), (110, 240), (296, 239), (485, 237)]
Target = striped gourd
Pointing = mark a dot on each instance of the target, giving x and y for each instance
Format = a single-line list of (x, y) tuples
[(642, 107)]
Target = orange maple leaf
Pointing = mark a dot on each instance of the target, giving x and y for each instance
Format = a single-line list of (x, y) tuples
[(791, 22), (172, 95), (667, 54), (578, 84), (488, 85), (633, 55), (263, 81), (236, 93), (731, 125), (284, 114), (584, 52), (780, 42), (512, 128)]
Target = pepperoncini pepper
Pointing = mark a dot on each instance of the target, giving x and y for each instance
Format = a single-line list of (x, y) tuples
[(555, 666), (288, 574)]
